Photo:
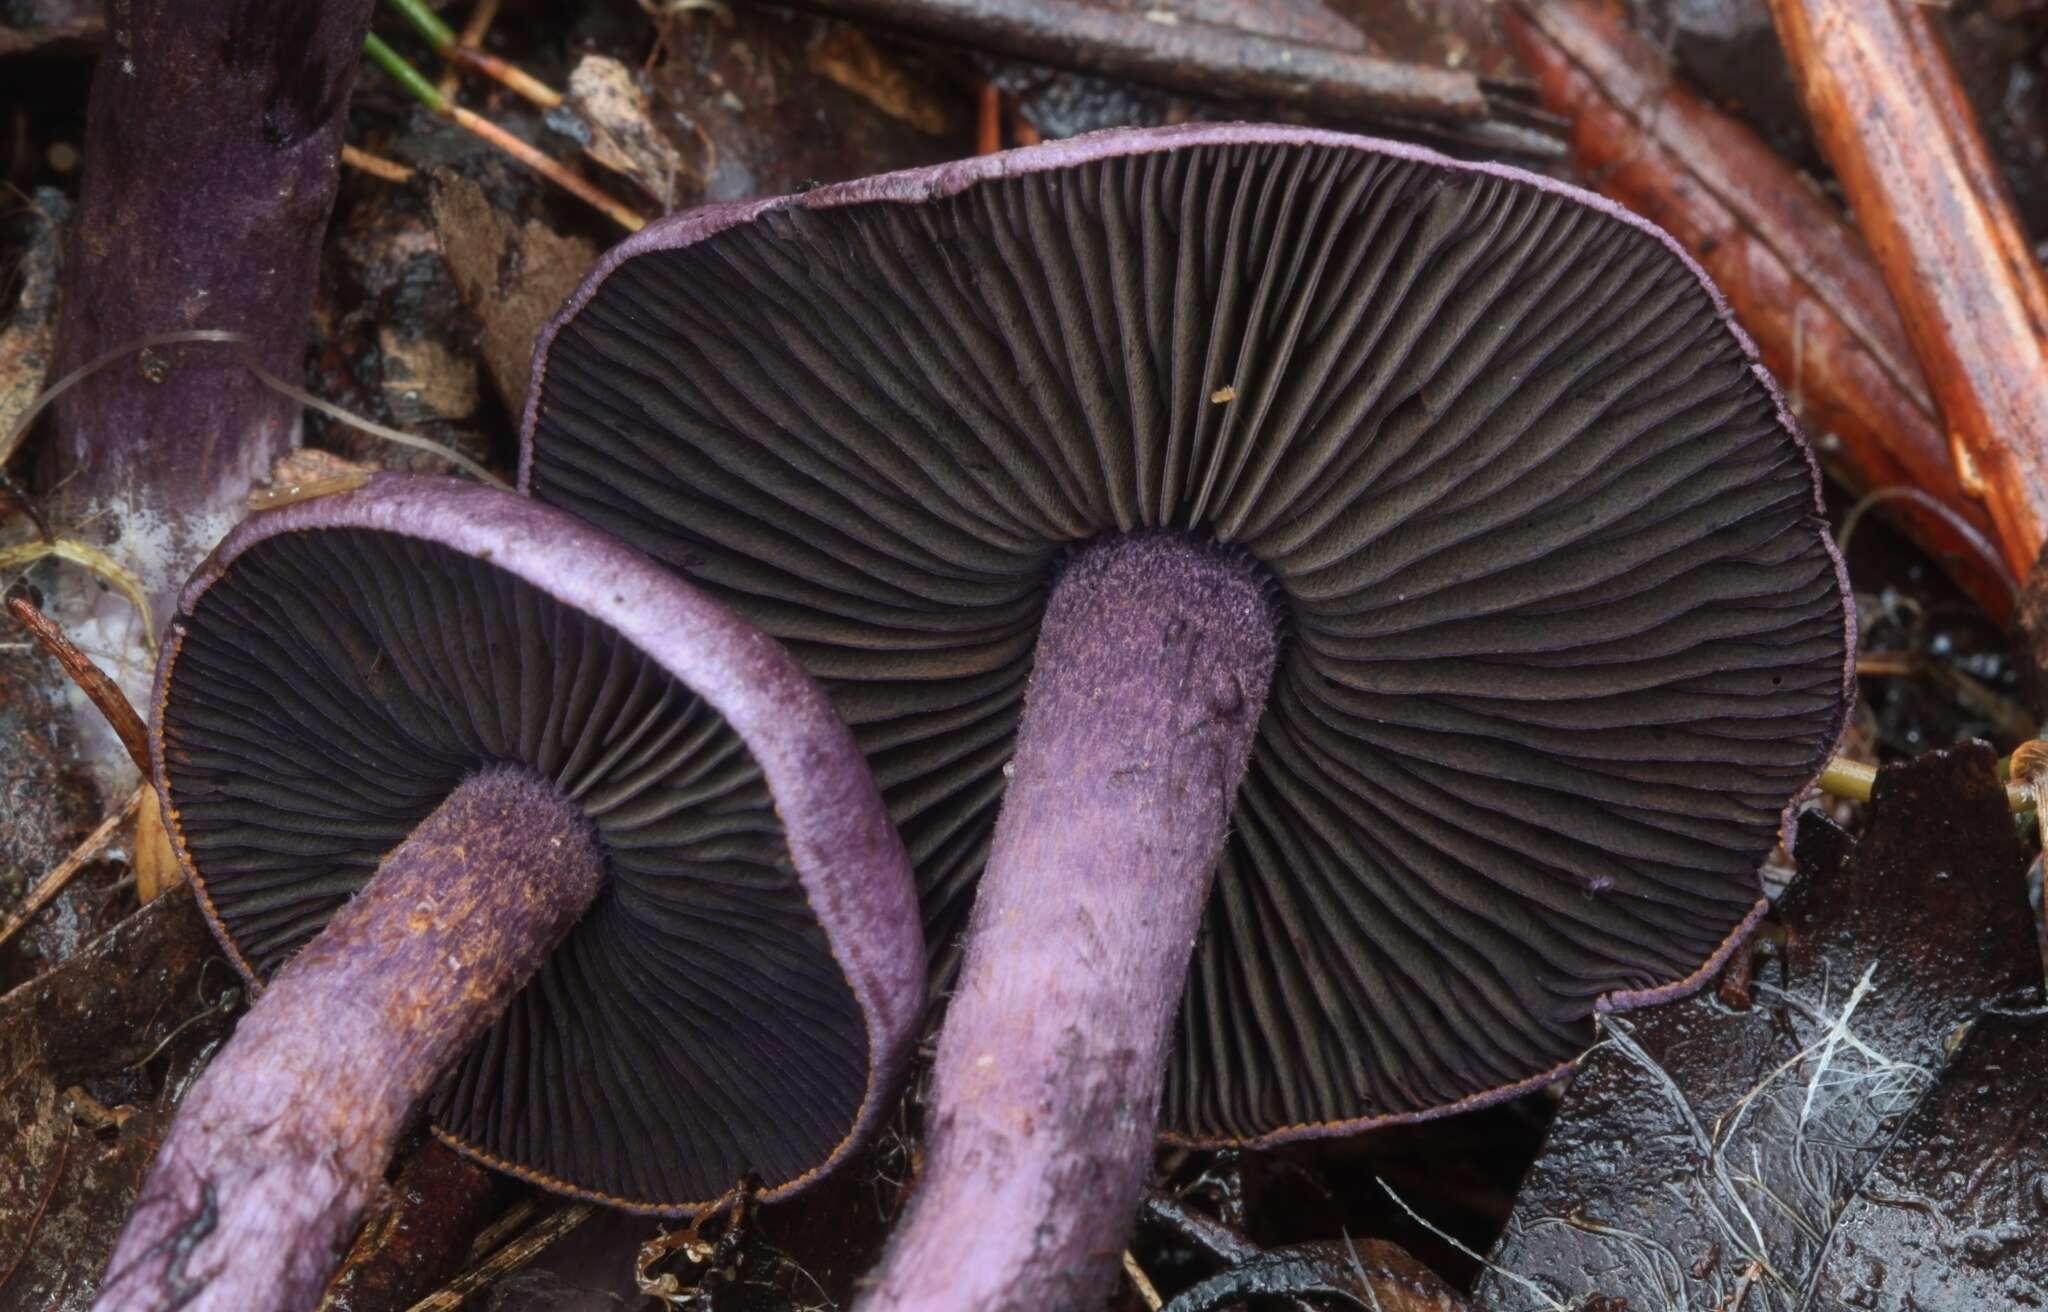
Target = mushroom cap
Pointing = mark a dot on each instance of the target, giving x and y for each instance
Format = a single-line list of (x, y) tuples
[(1564, 631), (745, 988)]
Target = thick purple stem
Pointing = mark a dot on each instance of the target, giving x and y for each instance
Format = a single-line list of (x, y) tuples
[(1152, 669), (286, 1136), (211, 153)]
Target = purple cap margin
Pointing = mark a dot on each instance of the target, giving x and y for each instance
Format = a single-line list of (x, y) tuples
[(846, 852)]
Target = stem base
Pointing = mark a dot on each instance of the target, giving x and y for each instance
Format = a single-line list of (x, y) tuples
[(286, 1136)]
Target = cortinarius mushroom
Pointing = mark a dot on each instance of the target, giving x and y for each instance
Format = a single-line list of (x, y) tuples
[(212, 157), (1473, 463), (629, 868)]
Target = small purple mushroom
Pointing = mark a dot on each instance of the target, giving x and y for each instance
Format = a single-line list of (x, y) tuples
[(531, 825), (1350, 614)]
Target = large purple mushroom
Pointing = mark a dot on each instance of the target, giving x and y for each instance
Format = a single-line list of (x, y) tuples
[(532, 826), (1351, 615)]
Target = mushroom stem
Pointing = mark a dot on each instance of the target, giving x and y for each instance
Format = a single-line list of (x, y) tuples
[(286, 1136), (211, 143), (1151, 672)]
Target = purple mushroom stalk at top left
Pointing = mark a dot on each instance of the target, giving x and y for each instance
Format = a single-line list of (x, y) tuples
[(211, 154), (472, 794)]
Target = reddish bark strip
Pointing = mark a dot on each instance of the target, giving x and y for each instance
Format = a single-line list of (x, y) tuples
[(1892, 118), (1792, 267)]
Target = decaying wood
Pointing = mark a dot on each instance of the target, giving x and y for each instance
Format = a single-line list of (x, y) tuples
[(1796, 273), (1189, 56), (418, 1235), (1892, 118)]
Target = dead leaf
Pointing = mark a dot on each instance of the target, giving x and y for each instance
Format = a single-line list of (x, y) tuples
[(1710, 1156), (156, 866), (1955, 1215), (513, 279), (67, 1184), (306, 472), (740, 96), (848, 57), (423, 379), (1368, 1275), (621, 134)]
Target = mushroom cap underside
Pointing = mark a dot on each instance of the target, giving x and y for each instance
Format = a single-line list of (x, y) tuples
[(734, 1001), (1563, 629)]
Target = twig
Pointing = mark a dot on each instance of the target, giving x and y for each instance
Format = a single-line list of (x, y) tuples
[(2028, 768), (97, 561), (53, 883), (506, 1260), (989, 120), (1148, 1293), (92, 559), (1209, 1236), (375, 165), (1200, 58), (28, 506), (1964, 529), (498, 1231), (1888, 664), (1794, 270), (100, 690), (481, 16), (1892, 118), (416, 84), (462, 51), (1843, 777), (1854, 780)]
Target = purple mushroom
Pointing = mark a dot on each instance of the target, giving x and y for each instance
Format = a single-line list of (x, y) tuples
[(1351, 615), (212, 152), (531, 825)]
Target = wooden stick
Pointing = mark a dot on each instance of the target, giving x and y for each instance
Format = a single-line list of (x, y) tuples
[(539, 161), (375, 165), (989, 123), (506, 1260), (50, 885), (1141, 1282), (481, 17), (511, 75), (1181, 54), (463, 52), (1892, 118), (1792, 267), (1888, 664), (1855, 780), (102, 691)]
